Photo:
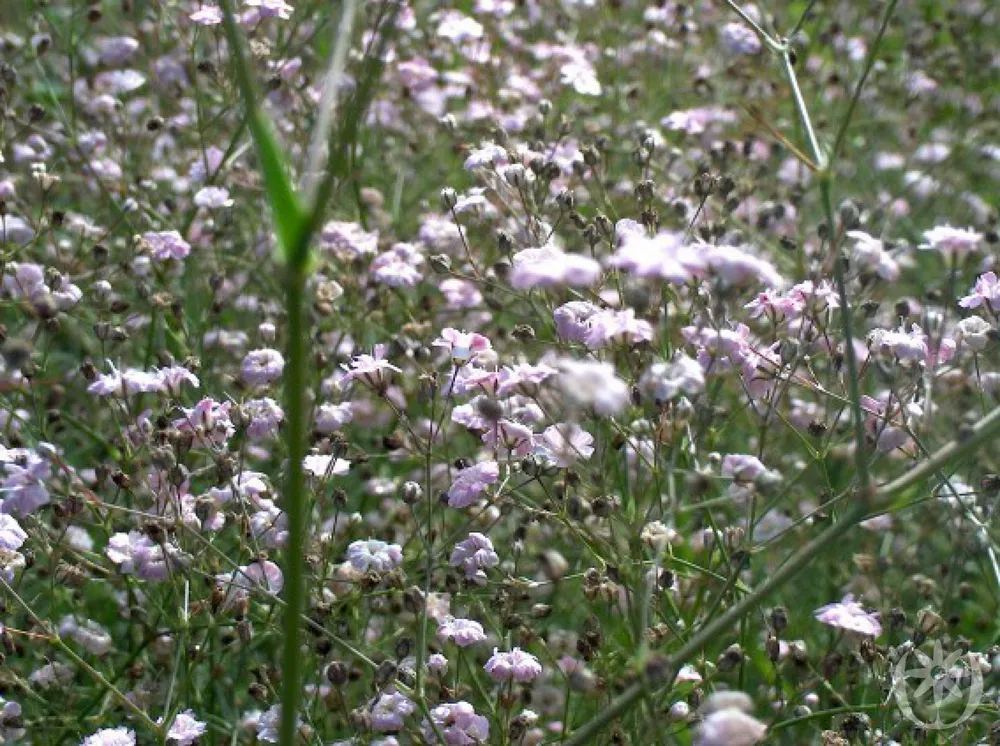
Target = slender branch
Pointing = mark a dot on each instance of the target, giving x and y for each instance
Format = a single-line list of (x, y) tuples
[(818, 156)]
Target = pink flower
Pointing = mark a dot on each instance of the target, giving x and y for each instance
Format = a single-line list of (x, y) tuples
[(464, 346), (470, 483), (608, 326), (869, 254), (186, 729), (207, 15), (166, 245), (271, 8), (463, 632), (262, 575), (458, 725), (682, 375), (548, 266), (571, 319), (399, 267), (565, 444), (474, 553), (851, 616), (517, 665), (371, 368), (953, 243), (987, 290)]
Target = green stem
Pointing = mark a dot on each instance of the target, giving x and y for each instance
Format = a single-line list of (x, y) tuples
[(295, 494)]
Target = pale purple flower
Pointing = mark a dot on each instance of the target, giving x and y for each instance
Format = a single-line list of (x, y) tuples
[(742, 467), (869, 254), (332, 417), (952, 243), (473, 554), (209, 420), (262, 576), (86, 633), (470, 483), (137, 554), (729, 727), (682, 375), (323, 466), (24, 487), (126, 382), (487, 154), (12, 536), (213, 198), (548, 266), (849, 615), (370, 368), (463, 632), (175, 377), (458, 725), (738, 38), (458, 27), (207, 15), (111, 737), (906, 345), (271, 8), (517, 665), (164, 245), (986, 290), (463, 346), (735, 267), (565, 444), (593, 385), (882, 422), (608, 326), (186, 729), (116, 50), (571, 319), (399, 266), (460, 293), (389, 712), (510, 437), (348, 240), (262, 367), (374, 555), (265, 417), (437, 663)]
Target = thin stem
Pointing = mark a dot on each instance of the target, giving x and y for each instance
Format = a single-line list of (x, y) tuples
[(295, 496), (818, 156)]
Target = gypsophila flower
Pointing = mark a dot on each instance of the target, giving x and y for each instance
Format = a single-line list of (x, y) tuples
[(470, 483), (261, 367), (213, 198), (565, 444), (516, 665), (456, 724), (664, 381), (325, 466), (463, 632), (165, 245), (952, 243), (111, 737), (186, 729), (374, 555), (849, 615), (473, 554), (390, 711), (986, 291)]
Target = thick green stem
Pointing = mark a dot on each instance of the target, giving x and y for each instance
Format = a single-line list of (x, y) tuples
[(295, 498)]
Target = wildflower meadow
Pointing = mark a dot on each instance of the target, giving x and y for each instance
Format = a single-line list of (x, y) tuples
[(499, 372)]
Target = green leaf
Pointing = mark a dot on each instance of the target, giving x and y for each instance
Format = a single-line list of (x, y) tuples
[(289, 217)]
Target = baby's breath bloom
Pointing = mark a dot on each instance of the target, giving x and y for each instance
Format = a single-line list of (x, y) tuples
[(374, 555), (463, 632), (849, 615), (952, 243), (516, 665), (111, 737), (261, 367), (473, 554)]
